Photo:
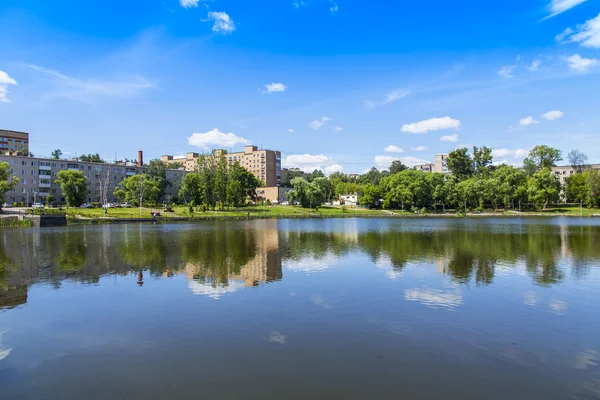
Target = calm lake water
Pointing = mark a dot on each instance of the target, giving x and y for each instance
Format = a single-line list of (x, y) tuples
[(303, 309)]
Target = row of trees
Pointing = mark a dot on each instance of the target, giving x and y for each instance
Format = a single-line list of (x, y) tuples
[(475, 182)]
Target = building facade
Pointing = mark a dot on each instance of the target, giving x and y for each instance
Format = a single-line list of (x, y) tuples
[(264, 164), (274, 194), (13, 142), (37, 179)]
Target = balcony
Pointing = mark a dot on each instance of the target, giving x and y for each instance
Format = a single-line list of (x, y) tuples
[(45, 185), (45, 168)]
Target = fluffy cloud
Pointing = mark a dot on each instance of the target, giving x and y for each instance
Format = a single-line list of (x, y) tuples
[(215, 292), (507, 153), (338, 128), (535, 65), (450, 138), (581, 64), (587, 34), (393, 149), (189, 3), (216, 138), (433, 124), (559, 6), (274, 87), (528, 121), (5, 80), (333, 5), (552, 115), (389, 98), (290, 130), (419, 148), (384, 162), (310, 162), (506, 71), (223, 23), (434, 298), (316, 124)]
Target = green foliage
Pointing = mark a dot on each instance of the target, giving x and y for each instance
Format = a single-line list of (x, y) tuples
[(7, 181), (74, 187), (138, 189), (543, 187), (406, 187), (91, 158), (460, 163), (157, 172), (482, 160), (397, 166), (290, 175), (56, 154), (371, 195), (541, 157), (584, 188)]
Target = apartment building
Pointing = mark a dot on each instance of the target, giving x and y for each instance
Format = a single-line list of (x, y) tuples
[(37, 178), (425, 167), (264, 164), (439, 165), (13, 142), (563, 172), (274, 194)]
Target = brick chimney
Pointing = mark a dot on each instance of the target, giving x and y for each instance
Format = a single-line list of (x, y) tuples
[(140, 158)]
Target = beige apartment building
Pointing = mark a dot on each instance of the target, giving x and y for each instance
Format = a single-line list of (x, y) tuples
[(13, 142), (264, 164), (37, 178), (439, 165), (274, 194)]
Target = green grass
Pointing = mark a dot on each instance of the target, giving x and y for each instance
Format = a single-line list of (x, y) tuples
[(572, 211)]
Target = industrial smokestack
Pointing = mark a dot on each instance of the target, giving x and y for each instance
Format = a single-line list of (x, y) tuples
[(140, 158)]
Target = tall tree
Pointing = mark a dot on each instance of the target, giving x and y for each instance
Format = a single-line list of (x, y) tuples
[(407, 187), (512, 185), (543, 187), (300, 193), (482, 160), (577, 160), (460, 163), (74, 187), (157, 171), (317, 173), (397, 166), (56, 154), (371, 195), (373, 177), (541, 157), (191, 189), (241, 185), (7, 181), (91, 158), (138, 189)]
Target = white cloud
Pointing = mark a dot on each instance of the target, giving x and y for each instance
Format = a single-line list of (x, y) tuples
[(338, 128), (535, 65), (559, 6), (450, 138), (290, 130), (276, 337), (334, 8), (507, 153), (587, 34), (4, 352), (528, 121), (5, 80), (223, 23), (274, 87), (189, 3), (333, 5), (384, 162), (434, 298), (214, 292), (433, 124), (419, 148), (80, 89), (310, 264), (330, 169), (507, 71), (581, 64), (393, 149), (316, 124), (389, 98), (552, 115), (216, 138)]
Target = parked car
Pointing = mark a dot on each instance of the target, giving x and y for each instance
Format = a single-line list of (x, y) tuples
[(6, 205), (108, 205), (125, 205), (285, 203), (86, 205), (37, 205)]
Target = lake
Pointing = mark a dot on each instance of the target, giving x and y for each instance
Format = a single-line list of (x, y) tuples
[(302, 309)]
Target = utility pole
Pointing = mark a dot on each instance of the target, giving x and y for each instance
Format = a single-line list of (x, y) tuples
[(519, 206), (581, 208)]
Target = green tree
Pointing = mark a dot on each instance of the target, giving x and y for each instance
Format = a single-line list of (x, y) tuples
[(373, 177), (91, 158), (73, 185), (7, 181), (441, 186), (241, 185), (592, 178), (138, 189), (543, 187), (397, 166), (56, 154), (541, 157), (300, 192), (320, 191), (221, 180), (191, 189), (317, 173), (576, 189), (460, 163), (406, 188), (289, 176), (482, 160), (157, 171), (512, 185), (577, 160), (371, 195)]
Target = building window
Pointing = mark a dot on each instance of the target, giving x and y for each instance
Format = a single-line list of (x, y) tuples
[(24, 181), (22, 172), (23, 162)]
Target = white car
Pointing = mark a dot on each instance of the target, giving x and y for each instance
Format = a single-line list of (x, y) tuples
[(109, 205), (125, 205), (285, 203), (37, 205), (6, 205)]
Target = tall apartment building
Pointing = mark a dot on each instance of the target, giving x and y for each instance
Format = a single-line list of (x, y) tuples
[(37, 178), (439, 165), (264, 164), (12, 142)]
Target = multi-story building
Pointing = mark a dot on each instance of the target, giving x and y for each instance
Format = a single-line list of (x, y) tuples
[(37, 178), (440, 164), (274, 194), (563, 172), (264, 164), (425, 167), (13, 142)]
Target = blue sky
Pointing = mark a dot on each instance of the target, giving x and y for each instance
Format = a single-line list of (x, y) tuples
[(339, 85)]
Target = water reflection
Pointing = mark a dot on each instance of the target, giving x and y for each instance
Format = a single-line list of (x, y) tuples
[(220, 257)]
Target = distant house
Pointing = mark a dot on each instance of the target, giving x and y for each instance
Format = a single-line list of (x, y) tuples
[(349, 199)]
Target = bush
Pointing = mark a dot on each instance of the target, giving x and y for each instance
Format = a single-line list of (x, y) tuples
[(424, 210)]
